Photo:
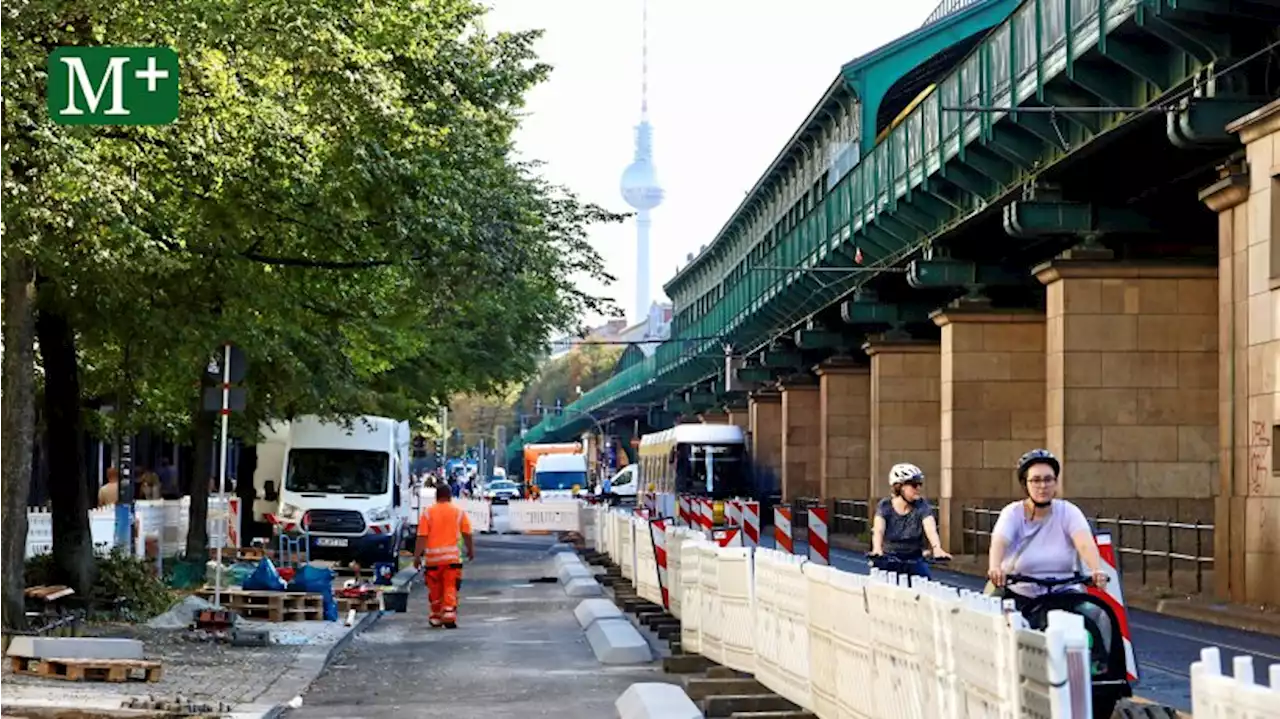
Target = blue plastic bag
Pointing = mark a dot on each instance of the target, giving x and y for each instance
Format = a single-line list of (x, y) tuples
[(317, 581), (265, 578)]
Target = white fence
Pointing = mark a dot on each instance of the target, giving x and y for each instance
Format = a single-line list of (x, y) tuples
[(165, 520), (844, 645), (1215, 696), (545, 515)]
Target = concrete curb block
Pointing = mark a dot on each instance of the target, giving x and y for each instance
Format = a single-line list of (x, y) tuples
[(570, 572), (656, 700), (615, 641), (583, 587), (306, 668)]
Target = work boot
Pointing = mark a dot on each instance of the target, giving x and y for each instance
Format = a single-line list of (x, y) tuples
[(436, 623)]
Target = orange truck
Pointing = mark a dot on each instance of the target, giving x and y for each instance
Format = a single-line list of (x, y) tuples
[(533, 451)]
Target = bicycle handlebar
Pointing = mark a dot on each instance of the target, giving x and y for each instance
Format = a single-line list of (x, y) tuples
[(894, 559), (1048, 583)]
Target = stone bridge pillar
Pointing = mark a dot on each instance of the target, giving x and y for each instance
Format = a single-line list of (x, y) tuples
[(801, 441), (714, 416), (1247, 501), (738, 414), (765, 410), (844, 398), (1132, 385), (993, 368), (905, 422)]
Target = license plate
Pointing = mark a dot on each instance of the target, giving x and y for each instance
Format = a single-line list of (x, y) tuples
[(331, 541)]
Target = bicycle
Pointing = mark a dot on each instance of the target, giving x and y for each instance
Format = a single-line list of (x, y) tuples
[(910, 567)]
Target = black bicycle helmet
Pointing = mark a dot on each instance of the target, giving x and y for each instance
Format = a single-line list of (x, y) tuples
[(1037, 456)]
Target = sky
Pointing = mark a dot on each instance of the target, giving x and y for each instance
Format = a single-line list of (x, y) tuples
[(729, 83)]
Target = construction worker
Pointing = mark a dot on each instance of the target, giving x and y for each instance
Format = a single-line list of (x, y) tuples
[(440, 528)]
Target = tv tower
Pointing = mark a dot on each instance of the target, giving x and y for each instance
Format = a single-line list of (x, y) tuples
[(640, 187)]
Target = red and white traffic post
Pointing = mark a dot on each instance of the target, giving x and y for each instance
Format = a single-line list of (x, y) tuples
[(782, 530), (819, 545)]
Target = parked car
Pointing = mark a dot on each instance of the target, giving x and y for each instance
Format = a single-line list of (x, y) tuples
[(502, 490)]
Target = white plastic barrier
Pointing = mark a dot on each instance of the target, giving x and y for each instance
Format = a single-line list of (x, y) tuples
[(846, 645), (164, 519), (545, 515), (479, 511), (646, 570), (1236, 696)]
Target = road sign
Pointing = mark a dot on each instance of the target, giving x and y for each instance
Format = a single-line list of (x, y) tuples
[(112, 86), (239, 366)]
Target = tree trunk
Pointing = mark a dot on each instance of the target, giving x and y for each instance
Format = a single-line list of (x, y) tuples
[(198, 529), (72, 538), (17, 424)]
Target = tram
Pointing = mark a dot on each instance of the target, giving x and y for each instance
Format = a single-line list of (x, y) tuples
[(704, 460)]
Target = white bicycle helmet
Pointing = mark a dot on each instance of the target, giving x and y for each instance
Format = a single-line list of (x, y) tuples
[(905, 473)]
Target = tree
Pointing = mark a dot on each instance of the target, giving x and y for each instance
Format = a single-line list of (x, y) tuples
[(339, 198), (584, 367)]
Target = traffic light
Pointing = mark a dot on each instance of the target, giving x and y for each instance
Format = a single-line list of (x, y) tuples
[(419, 446), (559, 407), (439, 453)]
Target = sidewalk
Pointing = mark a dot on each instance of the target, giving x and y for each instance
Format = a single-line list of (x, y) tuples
[(1159, 600), (240, 682)]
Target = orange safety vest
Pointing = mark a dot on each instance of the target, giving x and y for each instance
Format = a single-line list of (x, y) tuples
[(443, 524)]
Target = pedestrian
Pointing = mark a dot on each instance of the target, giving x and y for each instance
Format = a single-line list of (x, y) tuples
[(441, 528)]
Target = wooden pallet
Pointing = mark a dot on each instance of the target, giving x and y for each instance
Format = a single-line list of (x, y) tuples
[(48, 592), (94, 670), (271, 606)]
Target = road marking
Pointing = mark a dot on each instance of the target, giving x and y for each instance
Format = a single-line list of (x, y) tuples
[(1203, 642)]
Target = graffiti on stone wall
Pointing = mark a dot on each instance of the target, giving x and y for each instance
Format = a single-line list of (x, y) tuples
[(1259, 459)]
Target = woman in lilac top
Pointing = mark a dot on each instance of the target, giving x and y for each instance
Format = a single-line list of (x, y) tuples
[(1041, 536)]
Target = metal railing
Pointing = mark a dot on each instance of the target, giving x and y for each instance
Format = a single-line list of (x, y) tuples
[(850, 516), (1138, 541), (946, 8)]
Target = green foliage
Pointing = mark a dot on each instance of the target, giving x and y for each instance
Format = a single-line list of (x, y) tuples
[(585, 367), (119, 576)]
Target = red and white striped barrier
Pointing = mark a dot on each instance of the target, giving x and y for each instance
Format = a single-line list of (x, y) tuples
[(751, 524), (782, 530), (733, 513), (707, 513), (658, 533), (1114, 598), (728, 537), (682, 509), (819, 545)]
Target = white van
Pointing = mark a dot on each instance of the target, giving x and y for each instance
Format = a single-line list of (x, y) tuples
[(561, 475), (351, 485), (624, 484)]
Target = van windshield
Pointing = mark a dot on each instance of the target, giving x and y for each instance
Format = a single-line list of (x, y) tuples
[(337, 471), (560, 480)]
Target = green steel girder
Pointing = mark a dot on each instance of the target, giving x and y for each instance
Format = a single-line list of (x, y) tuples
[(1203, 121), (820, 339), (675, 405), (1140, 61), (1030, 219), (937, 274), (929, 200), (1259, 10), (781, 359), (1068, 96), (1111, 88), (857, 312), (921, 222), (1017, 146), (967, 179), (991, 164), (756, 375), (1203, 44), (904, 233)]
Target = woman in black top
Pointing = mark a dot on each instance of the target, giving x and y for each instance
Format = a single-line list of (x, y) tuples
[(902, 523)]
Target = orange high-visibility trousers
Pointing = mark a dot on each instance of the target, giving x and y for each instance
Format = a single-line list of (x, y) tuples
[(442, 589)]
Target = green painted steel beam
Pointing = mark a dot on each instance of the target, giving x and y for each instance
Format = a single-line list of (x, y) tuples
[(938, 274), (756, 375), (1034, 219), (1203, 122), (781, 359), (819, 339), (855, 312)]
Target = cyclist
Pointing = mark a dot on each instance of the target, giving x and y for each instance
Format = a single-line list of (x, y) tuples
[(1047, 535), (903, 521)]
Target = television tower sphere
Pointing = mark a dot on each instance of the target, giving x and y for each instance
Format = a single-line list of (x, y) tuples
[(640, 185)]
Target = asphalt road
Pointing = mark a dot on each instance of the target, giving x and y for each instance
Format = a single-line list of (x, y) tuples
[(517, 652), (1165, 646)]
